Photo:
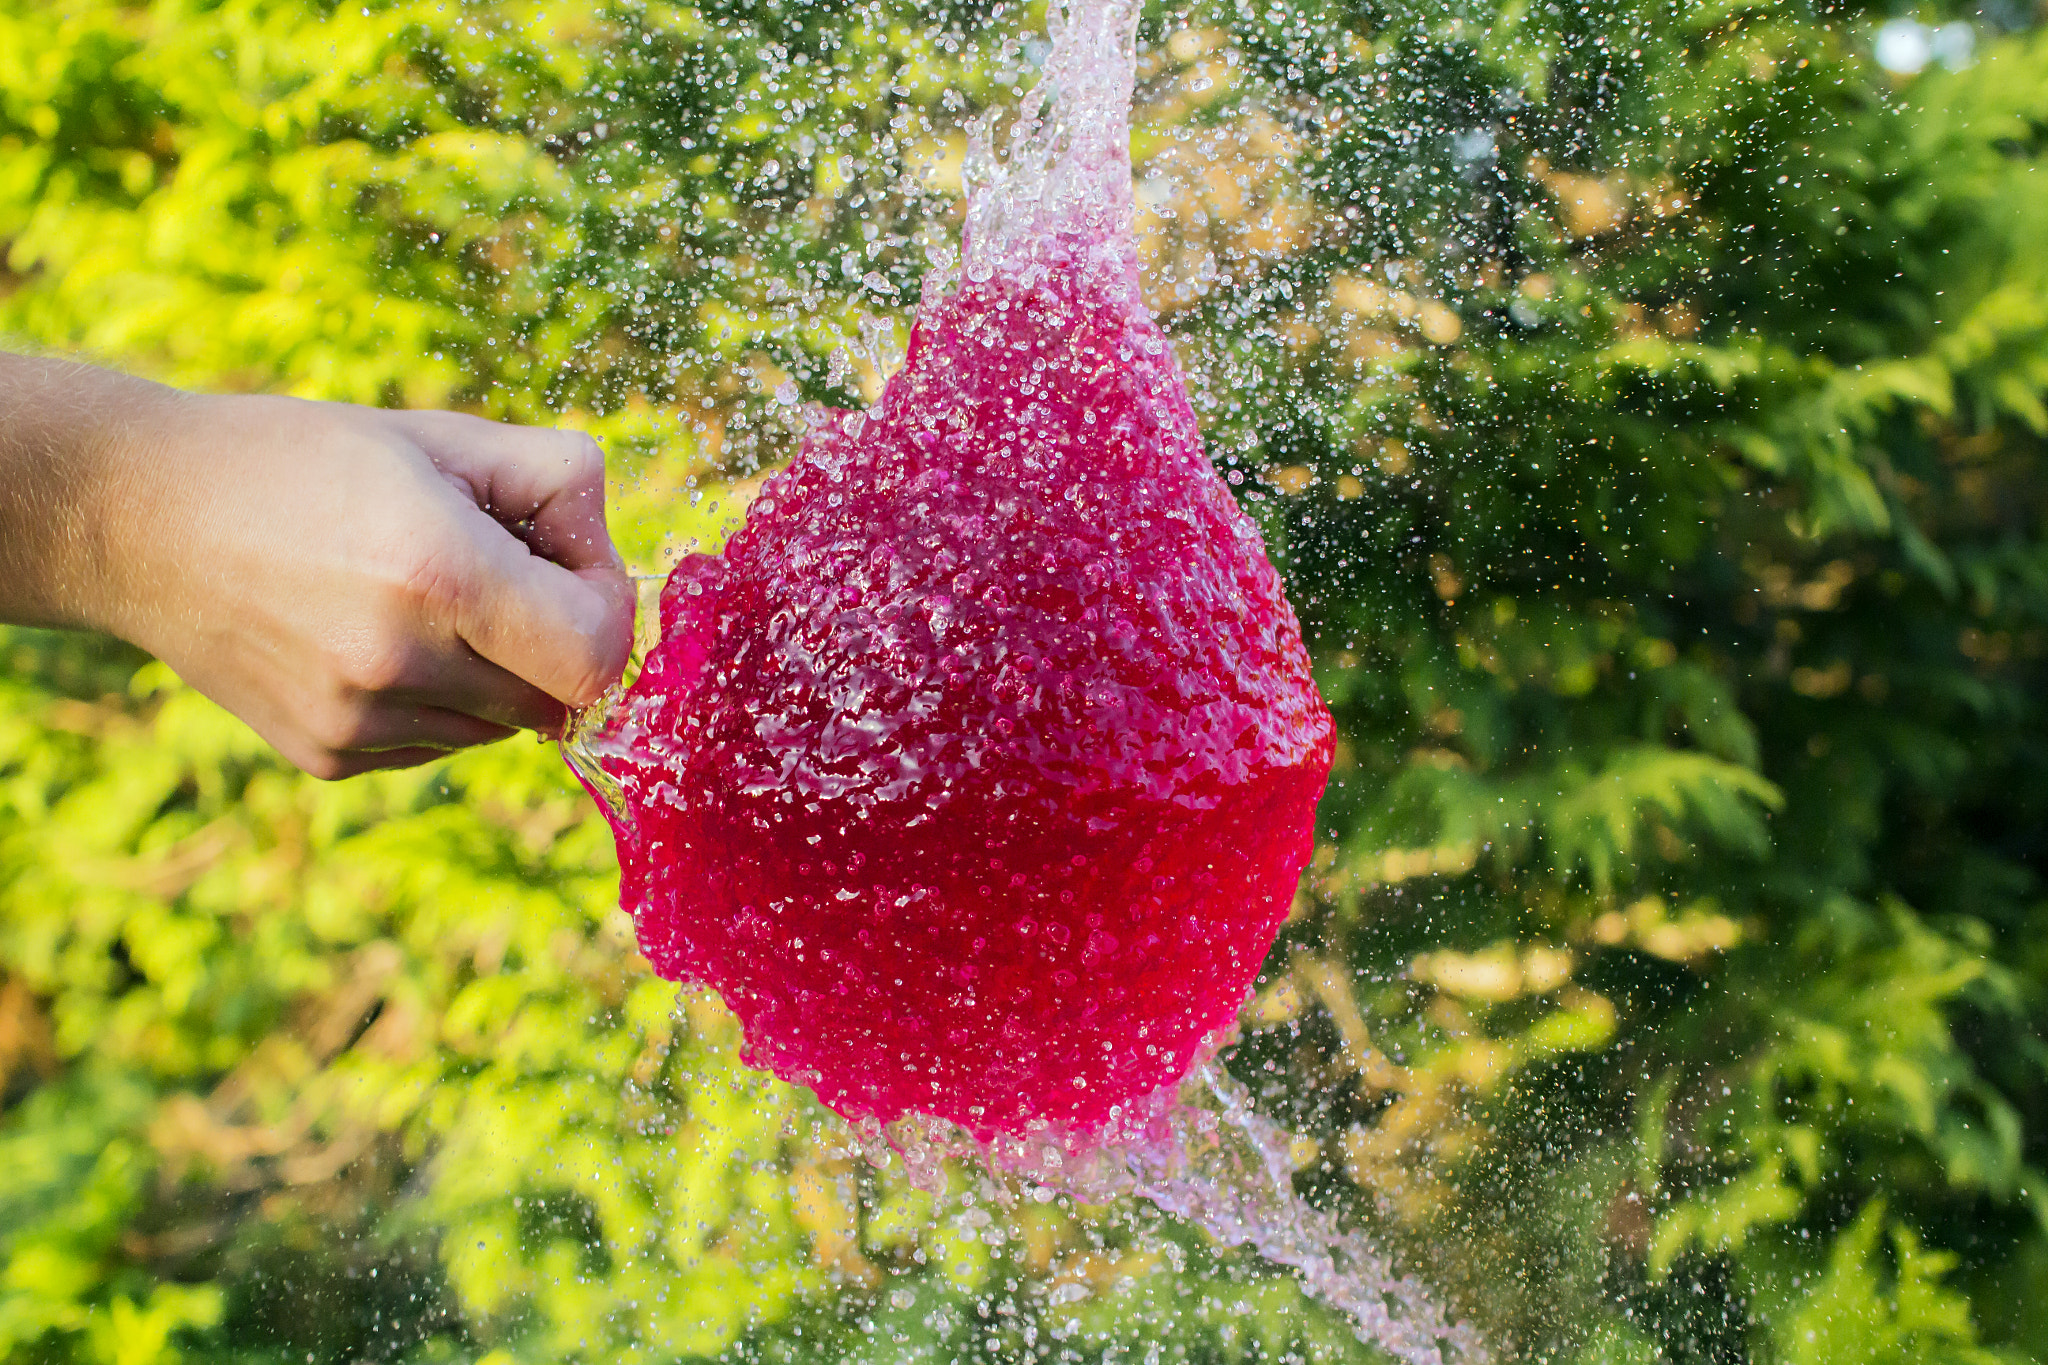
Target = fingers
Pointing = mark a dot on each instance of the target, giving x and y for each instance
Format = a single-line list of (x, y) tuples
[(548, 483), (316, 759), (565, 633), (539, 590), (388, 727), (474, 686), (335, 767), (385, 735)]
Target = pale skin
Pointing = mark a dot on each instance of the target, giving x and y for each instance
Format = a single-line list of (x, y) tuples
[(366, 588)]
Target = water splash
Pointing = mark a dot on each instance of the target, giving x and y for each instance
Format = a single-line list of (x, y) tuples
[(1204, 1154), (979, 771), (1066, 174), (1228, 1170)]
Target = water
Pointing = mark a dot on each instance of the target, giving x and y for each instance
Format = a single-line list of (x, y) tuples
[(978, 772), (1213, 1160)]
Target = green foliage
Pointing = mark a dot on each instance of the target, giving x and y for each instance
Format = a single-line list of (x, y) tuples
[(395, 1004), (1648, 404), (1862, 1305)]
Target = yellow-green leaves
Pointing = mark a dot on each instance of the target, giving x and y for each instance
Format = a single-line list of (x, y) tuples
[(1881, 1295), (406, 1001)]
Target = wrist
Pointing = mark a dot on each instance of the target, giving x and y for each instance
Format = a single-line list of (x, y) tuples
[(80, 456), (146, 462)]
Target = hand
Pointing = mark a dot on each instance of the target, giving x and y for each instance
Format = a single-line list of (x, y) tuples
[(367, 589)]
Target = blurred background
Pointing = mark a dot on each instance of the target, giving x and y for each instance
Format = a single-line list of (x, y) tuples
[(1647, 402)]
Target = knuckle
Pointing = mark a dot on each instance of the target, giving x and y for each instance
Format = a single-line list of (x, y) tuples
[(372, 666), (340, 727), (430, 588), (321, 764), (585, 458), (371, 650), (373, 670), (429, 578)]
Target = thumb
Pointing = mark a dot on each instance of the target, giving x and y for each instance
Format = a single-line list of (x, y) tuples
[(566, 631)]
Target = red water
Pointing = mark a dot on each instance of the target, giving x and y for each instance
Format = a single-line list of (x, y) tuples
[(977, 773)]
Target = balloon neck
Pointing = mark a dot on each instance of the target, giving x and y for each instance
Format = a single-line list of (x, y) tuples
[(579, 742)]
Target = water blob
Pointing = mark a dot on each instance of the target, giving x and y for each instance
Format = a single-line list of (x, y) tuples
[(978, 771)]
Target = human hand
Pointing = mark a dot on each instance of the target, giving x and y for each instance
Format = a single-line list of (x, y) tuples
[(369, 589), (366, 588)]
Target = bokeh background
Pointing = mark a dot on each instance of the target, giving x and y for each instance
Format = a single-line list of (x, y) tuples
[(1647, 401)]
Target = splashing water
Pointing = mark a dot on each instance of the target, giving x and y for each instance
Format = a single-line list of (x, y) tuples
[(1229, 1171), (1212, 1160), (978, 771)]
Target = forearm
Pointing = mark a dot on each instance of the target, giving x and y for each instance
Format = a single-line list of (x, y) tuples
[(75, 443)]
